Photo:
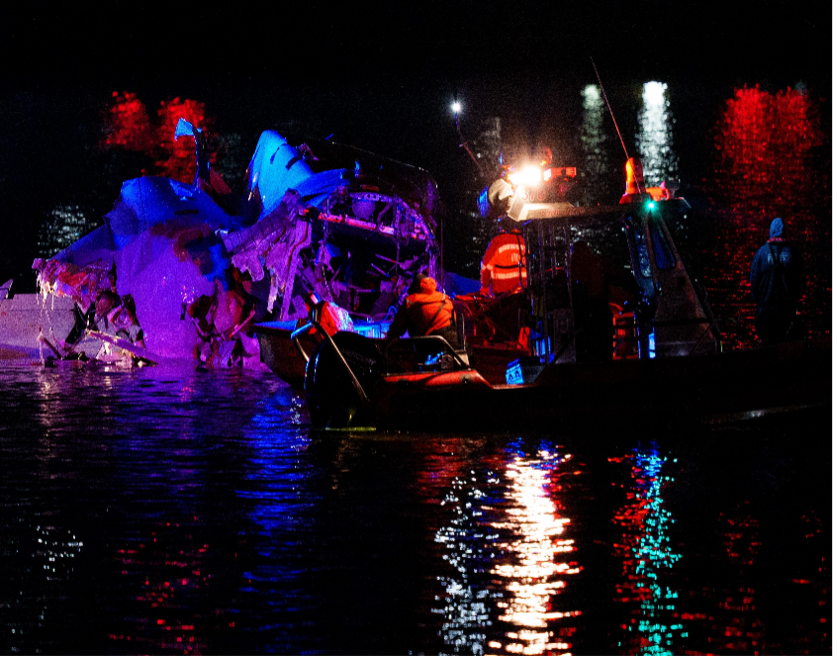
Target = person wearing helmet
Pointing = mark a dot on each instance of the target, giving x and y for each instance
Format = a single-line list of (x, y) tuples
[(426, 311), (777, 282)]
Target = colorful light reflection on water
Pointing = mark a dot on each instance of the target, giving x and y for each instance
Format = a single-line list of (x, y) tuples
[(534, 566), (157, 512), (647, 555), (509, 528), (770, 161), (160, 512)]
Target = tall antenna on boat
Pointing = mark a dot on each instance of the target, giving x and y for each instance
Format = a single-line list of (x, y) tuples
[(612, 116), (456, 107)]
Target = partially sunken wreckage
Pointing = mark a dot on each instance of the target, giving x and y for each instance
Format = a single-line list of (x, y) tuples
[(345, 224)]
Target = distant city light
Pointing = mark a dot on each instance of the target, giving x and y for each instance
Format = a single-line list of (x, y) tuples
[(655, 136), (654, 94), (65, 224), (592, 96)]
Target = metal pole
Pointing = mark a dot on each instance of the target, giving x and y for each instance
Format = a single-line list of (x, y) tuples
[(612, 116)]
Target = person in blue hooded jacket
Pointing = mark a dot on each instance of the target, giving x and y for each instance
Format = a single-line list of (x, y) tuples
[(777, 282)]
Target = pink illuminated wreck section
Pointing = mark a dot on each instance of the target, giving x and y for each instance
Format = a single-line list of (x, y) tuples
[(173, 273)]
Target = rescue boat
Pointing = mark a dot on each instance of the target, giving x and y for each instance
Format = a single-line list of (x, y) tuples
[(617, 330)]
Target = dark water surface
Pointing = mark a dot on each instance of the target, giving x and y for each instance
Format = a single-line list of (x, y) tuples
[(165, 511)]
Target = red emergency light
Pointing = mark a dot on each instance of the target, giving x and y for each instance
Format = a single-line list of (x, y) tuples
[(564, 173)]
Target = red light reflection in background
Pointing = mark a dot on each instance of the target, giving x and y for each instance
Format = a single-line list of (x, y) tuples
[(170, 571), (768, 163), (127, 125)]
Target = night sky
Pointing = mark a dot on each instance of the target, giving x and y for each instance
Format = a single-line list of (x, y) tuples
[(377, 75)]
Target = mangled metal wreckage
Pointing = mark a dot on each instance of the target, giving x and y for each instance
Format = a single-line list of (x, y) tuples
[(348, 225)]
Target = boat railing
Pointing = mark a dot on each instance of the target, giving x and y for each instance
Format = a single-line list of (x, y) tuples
[(628, 324), (305, 329), (437, 353), (628, 334)]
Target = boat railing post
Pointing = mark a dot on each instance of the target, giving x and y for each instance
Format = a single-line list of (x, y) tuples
[(355, 382), (430, 339), (296, 334)]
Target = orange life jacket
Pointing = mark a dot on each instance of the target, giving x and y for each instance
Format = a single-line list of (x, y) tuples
[(427, 312), (422, 313), (503, 267)]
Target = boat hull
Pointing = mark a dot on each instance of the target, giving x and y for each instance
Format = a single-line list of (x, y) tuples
[(670, 392), (279, 353)]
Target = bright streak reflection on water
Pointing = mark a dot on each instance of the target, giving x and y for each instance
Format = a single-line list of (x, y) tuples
[(157, 512), (594, 143), (530, 569), (655, 137)]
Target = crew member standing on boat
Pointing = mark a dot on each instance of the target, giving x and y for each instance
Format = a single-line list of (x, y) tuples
[(426, 311), (777, 282), (503, 267)]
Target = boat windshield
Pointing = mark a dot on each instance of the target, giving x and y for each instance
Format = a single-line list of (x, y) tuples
[(579, 271), (663, 254)]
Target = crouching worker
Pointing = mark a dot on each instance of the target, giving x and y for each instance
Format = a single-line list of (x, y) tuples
[(425, 311)]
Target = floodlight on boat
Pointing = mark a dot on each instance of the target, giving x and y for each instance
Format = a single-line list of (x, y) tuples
[(529, 176)]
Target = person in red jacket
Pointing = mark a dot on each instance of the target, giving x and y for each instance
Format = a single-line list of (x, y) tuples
[(503, 268), (425, 311)]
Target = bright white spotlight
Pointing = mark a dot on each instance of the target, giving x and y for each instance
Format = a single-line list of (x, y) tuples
[(456, 106), (530, 176)]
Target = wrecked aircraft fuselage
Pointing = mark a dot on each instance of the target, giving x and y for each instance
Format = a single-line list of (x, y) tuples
[(340, 222), (352, 237)]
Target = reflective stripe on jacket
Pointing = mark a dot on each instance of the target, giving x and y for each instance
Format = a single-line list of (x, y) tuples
[(503, 267)]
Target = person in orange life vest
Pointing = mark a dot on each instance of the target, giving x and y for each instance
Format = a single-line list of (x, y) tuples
[(503, 267), (331, 317), (425, 311)]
